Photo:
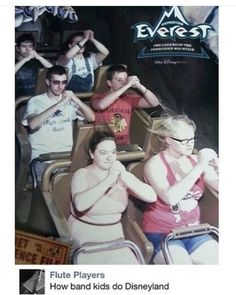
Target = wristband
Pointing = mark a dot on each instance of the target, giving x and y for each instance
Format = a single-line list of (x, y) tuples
[(79, 45)]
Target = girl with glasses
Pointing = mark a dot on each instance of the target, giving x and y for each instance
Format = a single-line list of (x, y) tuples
[(178, 178)]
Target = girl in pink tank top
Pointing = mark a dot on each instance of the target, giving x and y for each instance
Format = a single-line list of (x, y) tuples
[(178, 178)]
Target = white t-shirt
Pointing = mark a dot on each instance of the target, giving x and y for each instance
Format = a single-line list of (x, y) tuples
[(81, 68), (55, 134)]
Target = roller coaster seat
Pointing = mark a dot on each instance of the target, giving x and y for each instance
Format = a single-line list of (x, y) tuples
[(80, 156)]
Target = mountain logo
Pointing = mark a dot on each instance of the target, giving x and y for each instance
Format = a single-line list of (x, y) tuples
[(171, 27)]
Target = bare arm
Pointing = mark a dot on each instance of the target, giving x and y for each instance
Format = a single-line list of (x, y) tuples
[(42, 60), (107, 100), (156, 174), (138, 188), (86, 110), (74, 50), (102, 50), (35, 121), (32, 55), (84, 197), (211, 177), (149, 99), (20, 63)]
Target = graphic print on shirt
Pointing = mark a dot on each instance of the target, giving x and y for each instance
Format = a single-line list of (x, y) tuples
[(81, 70), (56, 122), (119, 123)]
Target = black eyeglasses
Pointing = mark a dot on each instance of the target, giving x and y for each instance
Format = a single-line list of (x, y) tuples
[(57, 82), (185, 141)]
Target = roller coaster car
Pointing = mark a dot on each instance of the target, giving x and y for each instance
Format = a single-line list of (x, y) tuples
[(56, 188), (209, 220)]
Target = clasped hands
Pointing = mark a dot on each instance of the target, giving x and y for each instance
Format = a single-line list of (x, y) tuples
[(207, 157), (67, 95), (33, 54), (133, 81), (88, 35), (117, 171)]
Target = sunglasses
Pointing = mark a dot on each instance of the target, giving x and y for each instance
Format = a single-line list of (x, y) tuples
[(57, 82), (184, 141)]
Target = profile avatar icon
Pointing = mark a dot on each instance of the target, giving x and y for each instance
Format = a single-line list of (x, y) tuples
[(32, 281)]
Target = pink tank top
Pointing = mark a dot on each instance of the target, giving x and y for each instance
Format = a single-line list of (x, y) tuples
[(161, 217)]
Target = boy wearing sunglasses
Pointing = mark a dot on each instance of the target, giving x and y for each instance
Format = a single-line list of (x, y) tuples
[(49, 116)]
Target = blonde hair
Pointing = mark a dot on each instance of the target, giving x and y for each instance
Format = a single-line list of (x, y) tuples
[(166, 125)]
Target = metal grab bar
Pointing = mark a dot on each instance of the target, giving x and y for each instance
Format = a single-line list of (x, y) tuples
[(110, 245), (186, 232)]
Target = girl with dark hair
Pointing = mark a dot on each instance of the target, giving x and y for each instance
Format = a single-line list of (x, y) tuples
[(99, 197), (80, 63)]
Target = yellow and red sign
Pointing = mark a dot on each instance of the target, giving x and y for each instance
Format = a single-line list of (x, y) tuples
[(34, 249)]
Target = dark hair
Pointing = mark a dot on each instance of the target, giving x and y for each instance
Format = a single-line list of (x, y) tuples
[(55, 70), (98, 137), (65, 46), (72, 36), (25, 37), (115, 69)]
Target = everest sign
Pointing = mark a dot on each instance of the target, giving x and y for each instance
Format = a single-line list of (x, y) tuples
[(171, 35)]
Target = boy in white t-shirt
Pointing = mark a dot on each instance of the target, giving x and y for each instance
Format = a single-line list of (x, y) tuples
[(49, 116)]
